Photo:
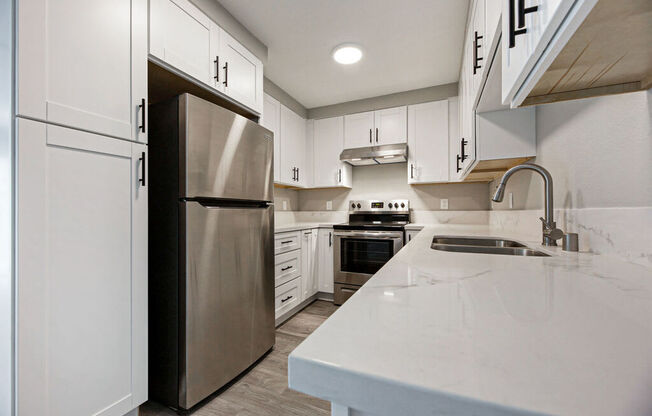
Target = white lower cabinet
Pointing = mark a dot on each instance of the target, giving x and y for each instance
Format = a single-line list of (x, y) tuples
[(81, 272), (287, 266), (308, 263), (288, 295), (325, 260)]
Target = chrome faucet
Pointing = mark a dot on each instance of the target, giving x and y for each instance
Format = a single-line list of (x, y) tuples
[(549, 228)]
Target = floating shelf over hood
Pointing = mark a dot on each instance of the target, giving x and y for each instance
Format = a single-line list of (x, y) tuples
[(375, 155)]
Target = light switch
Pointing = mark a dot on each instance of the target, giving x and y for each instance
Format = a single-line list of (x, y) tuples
[(511, 200), (329, 205), (443, 203)]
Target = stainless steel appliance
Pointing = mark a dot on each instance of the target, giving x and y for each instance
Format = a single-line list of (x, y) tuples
[(211, 245), (375, 155), (374, 233)]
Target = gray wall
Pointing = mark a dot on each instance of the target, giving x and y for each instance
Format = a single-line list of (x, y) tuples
[(286, 99), (598, 150), (6, 209), (226, 21), (289, 196), (390, 182), (423, 95)]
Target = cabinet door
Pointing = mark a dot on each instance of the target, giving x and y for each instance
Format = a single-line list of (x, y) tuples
[(271, 119), (180, 35), (82, 280), (82, 65), (328, 144), (293, 130), (314, 270), (306, 264), (359, 130), (478, 47), (390, 125), (326, 241), (242, 73), (428, 142)]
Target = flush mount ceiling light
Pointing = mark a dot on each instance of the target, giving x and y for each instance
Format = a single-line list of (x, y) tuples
[(347, 54)]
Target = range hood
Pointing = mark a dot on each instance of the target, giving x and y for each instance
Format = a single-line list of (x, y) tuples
[(375, 155)]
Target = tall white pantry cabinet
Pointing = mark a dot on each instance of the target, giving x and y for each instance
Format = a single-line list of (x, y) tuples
[(81, 207)]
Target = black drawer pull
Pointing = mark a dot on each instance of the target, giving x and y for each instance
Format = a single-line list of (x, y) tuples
[(286, 299), (286, 242), (286, 268)]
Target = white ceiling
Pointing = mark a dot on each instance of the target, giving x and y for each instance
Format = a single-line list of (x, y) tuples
[(407, 44)]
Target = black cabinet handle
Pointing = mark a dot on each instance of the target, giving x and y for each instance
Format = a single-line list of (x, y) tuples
[(522, 11), (339, 175), (294, 174), (330, 239), (286, 299), (376, 134), (476, 59), (217, 69), (411, 171), (286, 242), (142, 114), (286, 268), (142, 169), (297, 174), (463, 146), (226, 74), (458, 164), (370, 133)]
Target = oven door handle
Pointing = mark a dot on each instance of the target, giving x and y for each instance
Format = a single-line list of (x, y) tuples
[(371, 235)]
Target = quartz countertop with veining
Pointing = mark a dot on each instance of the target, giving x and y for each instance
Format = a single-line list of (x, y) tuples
[(437, 332)]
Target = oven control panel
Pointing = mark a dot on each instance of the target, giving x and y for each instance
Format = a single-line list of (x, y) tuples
[(373, 205)]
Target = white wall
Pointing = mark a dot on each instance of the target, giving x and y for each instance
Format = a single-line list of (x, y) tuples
[(598, 150), (390, 182)]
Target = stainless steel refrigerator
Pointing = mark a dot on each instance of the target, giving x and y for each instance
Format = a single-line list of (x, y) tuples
[(211, 256)]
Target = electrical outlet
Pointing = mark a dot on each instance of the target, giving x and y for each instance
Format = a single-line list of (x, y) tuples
[(285, 205), (443, 203), (329, 205)]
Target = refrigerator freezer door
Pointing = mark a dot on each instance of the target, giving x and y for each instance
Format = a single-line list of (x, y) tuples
[(229, 299), (226, 155)]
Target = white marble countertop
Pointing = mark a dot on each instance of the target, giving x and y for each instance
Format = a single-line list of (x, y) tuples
[(301, 226), (437, 332)]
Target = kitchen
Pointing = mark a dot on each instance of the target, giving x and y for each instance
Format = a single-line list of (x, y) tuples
[(300, 207)]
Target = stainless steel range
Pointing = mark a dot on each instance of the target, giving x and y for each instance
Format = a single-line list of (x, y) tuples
[(374, 233)]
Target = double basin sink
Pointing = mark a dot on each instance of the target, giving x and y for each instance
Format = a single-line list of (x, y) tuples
[(483, 245)]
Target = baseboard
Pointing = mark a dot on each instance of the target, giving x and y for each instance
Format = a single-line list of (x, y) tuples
[(325, 296)]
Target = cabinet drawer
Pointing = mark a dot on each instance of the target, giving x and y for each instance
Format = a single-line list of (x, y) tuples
[(287, 297), (285, 242), (287, 266)]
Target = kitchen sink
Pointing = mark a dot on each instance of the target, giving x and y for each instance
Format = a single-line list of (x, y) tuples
[(483, 245), (475, 241)]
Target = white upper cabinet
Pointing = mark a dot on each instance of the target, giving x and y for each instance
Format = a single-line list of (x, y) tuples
[(271, 119), (242, 73), (478, 46), (180, 34), (185, 38), (387, 126), (527, 31), (78, 67), (293, 148), (82, 272), (328, 143), (428, 138), (390, 125), (359, 130)]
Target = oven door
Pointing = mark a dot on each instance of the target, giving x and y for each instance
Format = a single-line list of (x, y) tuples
[(357, 255)]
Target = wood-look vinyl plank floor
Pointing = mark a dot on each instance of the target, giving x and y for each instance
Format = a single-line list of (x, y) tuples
[(264, 389)]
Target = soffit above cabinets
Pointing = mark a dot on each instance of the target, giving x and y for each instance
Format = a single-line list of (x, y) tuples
[(300, 36)]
